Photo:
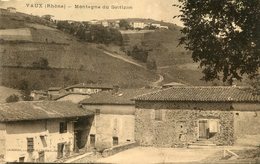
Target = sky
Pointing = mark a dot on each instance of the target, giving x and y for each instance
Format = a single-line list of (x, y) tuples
[(154, 9)]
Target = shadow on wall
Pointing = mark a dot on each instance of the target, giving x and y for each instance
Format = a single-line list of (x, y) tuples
[(82, 130)]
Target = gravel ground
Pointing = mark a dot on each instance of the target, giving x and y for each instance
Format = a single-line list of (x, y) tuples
[(158, 155)]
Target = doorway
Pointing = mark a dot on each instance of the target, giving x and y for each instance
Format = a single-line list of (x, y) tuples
[(203, 129), (41, 156)]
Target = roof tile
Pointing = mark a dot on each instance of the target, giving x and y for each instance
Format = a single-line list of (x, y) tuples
[(202, 93), (21, 111)]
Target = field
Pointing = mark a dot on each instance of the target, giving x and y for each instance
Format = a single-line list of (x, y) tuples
[(16, 34), (69, 60)]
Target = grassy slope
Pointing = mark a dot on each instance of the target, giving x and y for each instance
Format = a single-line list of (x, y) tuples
[(173, 62), (70, 63)]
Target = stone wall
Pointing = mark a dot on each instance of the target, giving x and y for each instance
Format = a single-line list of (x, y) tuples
[(179, 124), (247, 128)]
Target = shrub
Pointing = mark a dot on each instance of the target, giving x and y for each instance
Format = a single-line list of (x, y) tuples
[(12, 98), (101, 146), (151, 64)]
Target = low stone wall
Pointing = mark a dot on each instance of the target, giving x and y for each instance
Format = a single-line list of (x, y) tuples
[(118, 148)]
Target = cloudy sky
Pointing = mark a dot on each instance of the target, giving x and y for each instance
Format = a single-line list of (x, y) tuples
[(154, 9)]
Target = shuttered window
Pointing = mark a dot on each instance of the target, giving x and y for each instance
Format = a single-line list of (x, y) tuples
[(30, 145), (115, 141), (158, 115), (63, 127)]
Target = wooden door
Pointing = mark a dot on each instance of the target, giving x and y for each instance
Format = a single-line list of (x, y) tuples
[(203, 129)]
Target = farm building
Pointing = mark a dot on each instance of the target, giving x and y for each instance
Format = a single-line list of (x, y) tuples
[(41, 131), (114, 122), (11, 9), (184, 115), (84, 88), (138, 25)]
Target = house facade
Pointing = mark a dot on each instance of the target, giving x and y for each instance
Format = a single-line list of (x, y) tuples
[(183, 115), (39, 131), (84, 88), (114, 122), (11, 9)]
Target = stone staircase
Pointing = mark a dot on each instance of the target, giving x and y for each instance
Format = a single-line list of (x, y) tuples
[(202, 144)]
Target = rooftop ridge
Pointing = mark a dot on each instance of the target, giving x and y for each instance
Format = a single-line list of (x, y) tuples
[(201, 93)]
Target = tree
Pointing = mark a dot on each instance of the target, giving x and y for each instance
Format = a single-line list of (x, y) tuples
[(12, 98), (151, 64), (41, 64), (124, 24), (139, 53), (25, 90), (222, 35)]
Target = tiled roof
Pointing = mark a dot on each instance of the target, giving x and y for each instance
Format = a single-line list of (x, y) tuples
[(122, 97), (202, 93), (25, 110), (54, 88), (84, 85)]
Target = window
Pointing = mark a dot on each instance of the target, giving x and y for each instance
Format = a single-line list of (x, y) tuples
[(115, 141), (92, 140), (30, 145), (158, 114), (21, 159), (63, 127), (97, 111), (43, 139)]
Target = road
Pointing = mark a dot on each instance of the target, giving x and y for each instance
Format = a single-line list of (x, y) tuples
[(124, 59), (154, 84)]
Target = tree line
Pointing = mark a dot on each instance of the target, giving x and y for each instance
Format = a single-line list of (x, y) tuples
[(92, 33)]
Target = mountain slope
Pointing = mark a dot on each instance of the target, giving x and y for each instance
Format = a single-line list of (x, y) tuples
[(69, 60)]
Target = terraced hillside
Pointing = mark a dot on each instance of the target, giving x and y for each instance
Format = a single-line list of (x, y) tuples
[(69, 61)]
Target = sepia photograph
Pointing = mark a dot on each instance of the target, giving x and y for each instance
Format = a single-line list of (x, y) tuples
[(130, 81)]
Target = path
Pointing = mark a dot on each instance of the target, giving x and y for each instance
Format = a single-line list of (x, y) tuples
[(154, 84), (124, 59)]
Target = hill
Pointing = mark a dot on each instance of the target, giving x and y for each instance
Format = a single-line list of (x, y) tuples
[(69, 60), (173, 61)]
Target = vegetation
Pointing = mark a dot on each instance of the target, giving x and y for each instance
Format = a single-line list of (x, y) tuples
[(151, 64), (41, 64), (25, 90), (222, 36), (93, 33), (101, 146), (12, 98), (139, 53), (124, 24)]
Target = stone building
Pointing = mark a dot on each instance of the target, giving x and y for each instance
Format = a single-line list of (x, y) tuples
[(184, 115), (11, 9), (114, 122), (40, 131), (84, 88)]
